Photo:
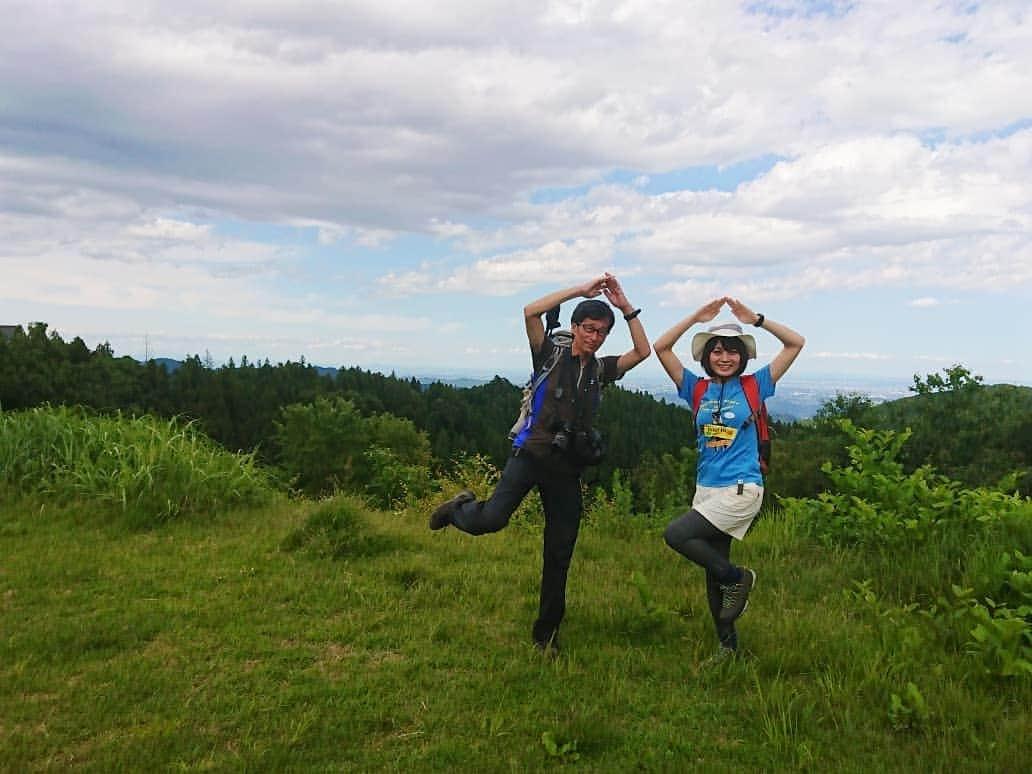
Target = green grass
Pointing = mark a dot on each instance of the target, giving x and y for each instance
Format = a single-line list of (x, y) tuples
[(328, 637)]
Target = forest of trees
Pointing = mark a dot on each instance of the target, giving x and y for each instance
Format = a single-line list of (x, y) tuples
[(977, 434)]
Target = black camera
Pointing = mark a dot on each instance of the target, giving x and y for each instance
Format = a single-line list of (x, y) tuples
[(589, 447), (561, 439), (584, 447)]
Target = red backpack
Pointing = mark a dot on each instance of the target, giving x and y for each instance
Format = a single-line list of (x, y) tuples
[(757, 408)]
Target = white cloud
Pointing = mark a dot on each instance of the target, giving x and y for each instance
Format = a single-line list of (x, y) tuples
[(925, 302), (447, 229), (876, 211), (386, 115), (557, 263), (170, 230), (406, 283)]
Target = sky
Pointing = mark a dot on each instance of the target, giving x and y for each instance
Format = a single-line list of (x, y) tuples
[(386, 184)]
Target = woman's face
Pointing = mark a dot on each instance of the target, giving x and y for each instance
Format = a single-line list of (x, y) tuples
[(724, 363)]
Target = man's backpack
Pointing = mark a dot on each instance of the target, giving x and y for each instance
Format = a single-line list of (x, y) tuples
[(757, 408), (562, 341)]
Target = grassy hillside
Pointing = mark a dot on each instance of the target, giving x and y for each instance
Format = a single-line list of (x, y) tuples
[(889, 631), (243, 644)]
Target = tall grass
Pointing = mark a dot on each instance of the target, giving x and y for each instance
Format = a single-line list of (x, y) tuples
[(150, 470)]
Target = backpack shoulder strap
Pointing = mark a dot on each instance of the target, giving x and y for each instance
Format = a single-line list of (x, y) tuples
[(751, 388), (561, 343), (701, 385), (757, 408), (758, 414)]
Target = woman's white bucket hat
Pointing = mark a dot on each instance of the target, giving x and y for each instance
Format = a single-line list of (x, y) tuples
[(726, 329)]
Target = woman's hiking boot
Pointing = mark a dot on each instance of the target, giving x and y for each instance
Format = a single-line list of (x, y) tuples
[(735, 596)]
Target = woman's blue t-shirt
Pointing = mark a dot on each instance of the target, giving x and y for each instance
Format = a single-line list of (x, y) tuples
[(726, 456)]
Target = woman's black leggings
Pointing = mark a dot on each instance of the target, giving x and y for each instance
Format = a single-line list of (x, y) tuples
[(692, 536)]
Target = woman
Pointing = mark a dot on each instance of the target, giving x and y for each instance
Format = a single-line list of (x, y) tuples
[(729, 482)]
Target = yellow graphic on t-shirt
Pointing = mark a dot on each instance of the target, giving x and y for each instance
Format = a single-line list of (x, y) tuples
[(718, 436), (722, 432)]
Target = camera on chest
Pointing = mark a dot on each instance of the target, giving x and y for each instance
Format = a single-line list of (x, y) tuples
[(584, 447), (561, 439)]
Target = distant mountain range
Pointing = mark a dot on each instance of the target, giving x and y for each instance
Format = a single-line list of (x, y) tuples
[(796, 398)]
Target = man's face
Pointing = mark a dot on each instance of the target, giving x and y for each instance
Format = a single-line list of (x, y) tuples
[(589, 334)]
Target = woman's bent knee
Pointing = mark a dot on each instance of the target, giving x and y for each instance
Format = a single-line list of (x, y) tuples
[(675, 536)]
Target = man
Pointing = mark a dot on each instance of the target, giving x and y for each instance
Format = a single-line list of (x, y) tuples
[(549, 448)]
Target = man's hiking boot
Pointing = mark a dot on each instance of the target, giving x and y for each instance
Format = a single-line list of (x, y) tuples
[(735, 596), (442, 515), (550, 647)]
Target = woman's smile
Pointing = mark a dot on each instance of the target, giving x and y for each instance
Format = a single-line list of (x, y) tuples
[(724, 362)]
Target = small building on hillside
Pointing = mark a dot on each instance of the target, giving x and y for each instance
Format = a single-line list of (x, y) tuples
[(7, 331)]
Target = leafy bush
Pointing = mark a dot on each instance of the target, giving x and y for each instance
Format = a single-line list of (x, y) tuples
[(926, 533), (328, 445), (148, 469), (392, 482), (661, 483), (873, 502), (908, 710), (319, 443)]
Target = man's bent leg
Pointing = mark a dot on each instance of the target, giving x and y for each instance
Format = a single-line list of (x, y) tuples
[(561, 499), (491, 515)]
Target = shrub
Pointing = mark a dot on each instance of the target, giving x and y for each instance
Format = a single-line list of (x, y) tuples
[(328, 445), (319, 443), (392, 482), (335, 530), (924, 533)]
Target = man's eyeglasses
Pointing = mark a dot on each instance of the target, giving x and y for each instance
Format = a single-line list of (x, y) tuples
[(591, 330)]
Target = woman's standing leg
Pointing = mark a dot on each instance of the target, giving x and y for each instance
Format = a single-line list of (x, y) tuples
[(715, 597), (695, 538)]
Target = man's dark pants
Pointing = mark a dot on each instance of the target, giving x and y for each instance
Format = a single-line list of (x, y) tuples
[(561, 501)]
